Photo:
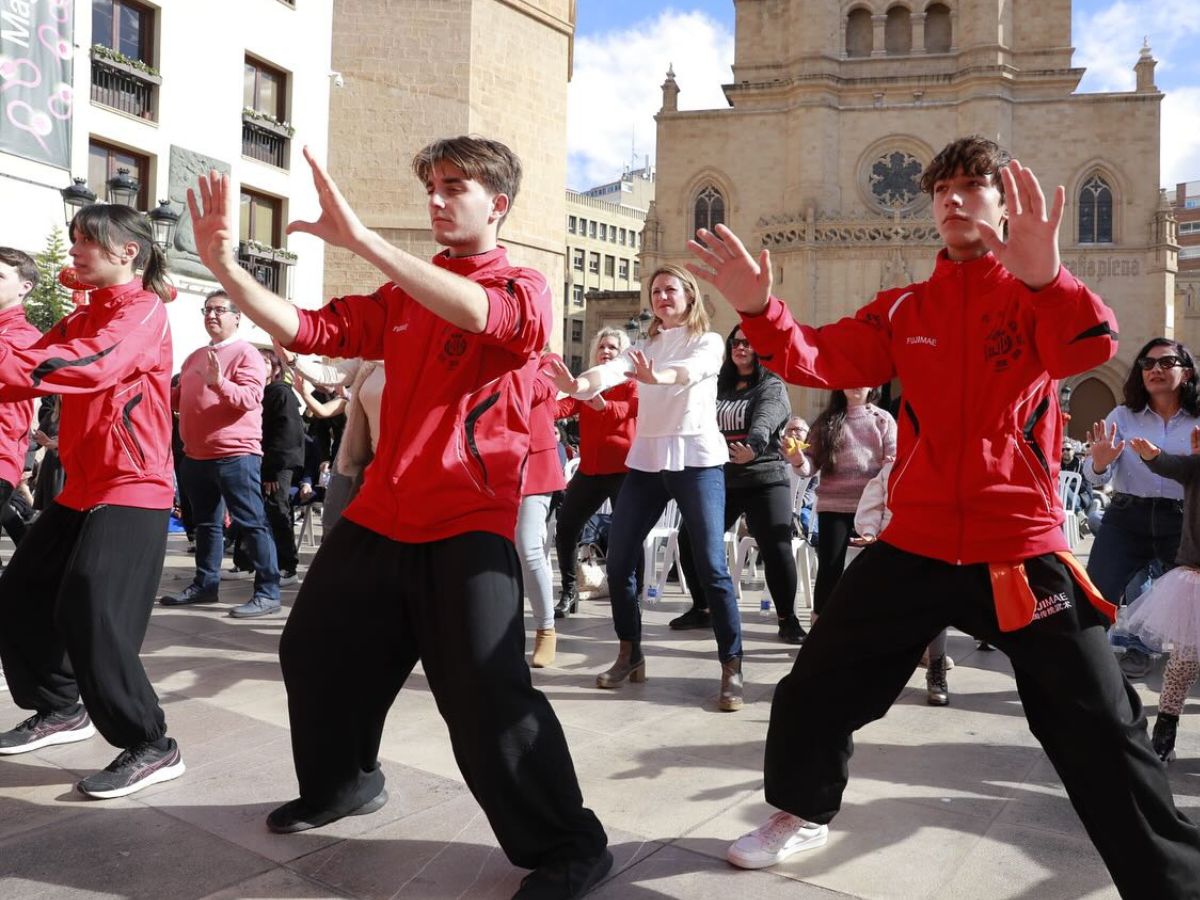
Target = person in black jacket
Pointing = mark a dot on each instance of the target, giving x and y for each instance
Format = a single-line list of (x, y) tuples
[(752, 410), (283, 458)]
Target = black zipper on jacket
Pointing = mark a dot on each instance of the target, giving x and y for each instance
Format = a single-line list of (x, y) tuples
[(1030, 424)]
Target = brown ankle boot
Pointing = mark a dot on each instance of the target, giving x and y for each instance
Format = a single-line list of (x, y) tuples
[(543, 648), (630, 664), (730, 699)]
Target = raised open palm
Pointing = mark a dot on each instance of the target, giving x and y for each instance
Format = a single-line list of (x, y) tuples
[(1030, 251), (728, 266)]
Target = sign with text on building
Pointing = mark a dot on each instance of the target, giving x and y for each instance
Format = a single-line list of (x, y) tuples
[(35, 79)]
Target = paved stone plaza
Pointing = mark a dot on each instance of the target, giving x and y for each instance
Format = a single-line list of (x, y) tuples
[(956, 802)]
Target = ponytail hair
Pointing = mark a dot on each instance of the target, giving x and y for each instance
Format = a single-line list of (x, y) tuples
[(112, 225)]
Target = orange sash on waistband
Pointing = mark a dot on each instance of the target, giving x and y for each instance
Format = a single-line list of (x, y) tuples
[(1014, 598)]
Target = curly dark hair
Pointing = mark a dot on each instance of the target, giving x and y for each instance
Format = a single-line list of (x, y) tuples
[(974, 155), (828, 432), (1137, 397)]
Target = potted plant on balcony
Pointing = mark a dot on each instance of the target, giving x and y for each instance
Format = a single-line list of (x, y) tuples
[(119, 62), (267, 122)]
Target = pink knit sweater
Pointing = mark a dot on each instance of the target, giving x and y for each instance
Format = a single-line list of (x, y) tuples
[(869, 438), (225, 420)]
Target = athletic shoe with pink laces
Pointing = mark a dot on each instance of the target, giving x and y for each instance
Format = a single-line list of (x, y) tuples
[(782, 836)]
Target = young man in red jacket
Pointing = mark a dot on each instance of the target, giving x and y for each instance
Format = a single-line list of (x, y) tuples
[(975, 539), (426, 548)]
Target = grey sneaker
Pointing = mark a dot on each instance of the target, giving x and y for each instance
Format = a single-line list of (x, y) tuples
[(193, 593), (257, 606), (47, 730), (134, 769), (288, 577), (1136, 664), (233, 573)]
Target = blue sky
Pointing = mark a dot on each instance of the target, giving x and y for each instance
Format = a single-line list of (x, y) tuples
[(623, 48)]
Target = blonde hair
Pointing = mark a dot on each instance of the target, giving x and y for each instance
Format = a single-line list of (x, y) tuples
[(697, 320), (609, 331)]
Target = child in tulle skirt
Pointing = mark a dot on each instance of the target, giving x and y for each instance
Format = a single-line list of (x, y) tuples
[(1167, 616)]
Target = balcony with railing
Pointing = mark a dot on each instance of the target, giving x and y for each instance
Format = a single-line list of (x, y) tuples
[(123, 84), (265, 139), (269, 266)]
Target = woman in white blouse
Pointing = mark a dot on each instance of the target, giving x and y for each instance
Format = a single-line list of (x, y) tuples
[(678, 453)]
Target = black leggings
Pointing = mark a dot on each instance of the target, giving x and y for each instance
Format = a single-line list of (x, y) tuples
[(833, 539), (768, 510), (585, 494)]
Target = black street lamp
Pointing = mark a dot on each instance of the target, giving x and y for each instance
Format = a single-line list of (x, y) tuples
[(638, 326), (122, 188), (1064, 397), (75, 197), (164, 221)]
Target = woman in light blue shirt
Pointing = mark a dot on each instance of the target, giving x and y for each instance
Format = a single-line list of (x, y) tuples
[(1144, 521)]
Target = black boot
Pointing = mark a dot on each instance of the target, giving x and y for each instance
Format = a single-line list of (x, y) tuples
[(693, 618), (568, 602), (791, 631), (1163, 737)]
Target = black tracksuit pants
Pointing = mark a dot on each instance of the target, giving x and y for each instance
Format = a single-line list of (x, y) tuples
[(886, 608), (74, 605), (369, 608)]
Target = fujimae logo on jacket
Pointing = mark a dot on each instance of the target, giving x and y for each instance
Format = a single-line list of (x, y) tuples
[(1048, 606)]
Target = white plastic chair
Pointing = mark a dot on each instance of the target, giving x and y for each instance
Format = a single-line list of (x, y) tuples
[(569, 470), (1069, 484), (667, 531), (306, 526)]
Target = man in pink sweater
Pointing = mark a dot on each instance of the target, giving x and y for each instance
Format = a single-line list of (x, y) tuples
[(220, 397)]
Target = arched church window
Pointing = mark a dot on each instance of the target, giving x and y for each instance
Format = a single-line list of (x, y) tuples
[(1095, 212), (897, 32), (937, 28), (709, 210), (860, 34)]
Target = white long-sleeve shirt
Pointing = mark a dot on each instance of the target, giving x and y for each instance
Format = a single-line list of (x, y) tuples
[(676, 423)]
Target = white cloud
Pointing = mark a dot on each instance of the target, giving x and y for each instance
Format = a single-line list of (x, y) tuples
[(1180, 137), (615, 90), (1107, 43)]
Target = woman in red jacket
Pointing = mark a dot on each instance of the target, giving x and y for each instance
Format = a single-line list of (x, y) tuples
[(606, 426), (543, 477), (75, 600)]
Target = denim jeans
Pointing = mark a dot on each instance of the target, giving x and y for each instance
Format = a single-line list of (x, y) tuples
[(233, 482), (1135, 532), (700, 494), (535, 565)]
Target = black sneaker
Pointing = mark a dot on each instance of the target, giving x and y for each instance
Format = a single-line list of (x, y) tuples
[(984, 645), (937, 691), (296, 815), (791, 631), (193, 593), (693, 618), (565, 880), (1136, 664), (136, 768), (47, 730)]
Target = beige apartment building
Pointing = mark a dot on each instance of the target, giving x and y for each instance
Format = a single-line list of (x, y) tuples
[(834, 110), (410, 73), (604, 238)]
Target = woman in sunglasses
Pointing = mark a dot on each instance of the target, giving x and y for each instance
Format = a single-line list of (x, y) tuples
[(752, 410), (1142, 525)]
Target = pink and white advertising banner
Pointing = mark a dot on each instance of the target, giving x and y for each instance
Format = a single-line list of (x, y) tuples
[(36, 50)]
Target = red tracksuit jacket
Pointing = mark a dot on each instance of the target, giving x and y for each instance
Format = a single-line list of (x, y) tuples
[(15, 418), (605, 435), (111, 361), (454, 429), (978, 355)]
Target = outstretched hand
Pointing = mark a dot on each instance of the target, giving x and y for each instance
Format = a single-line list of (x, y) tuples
[(1031, 250), (338, 225), (1105, 446), (558, 372), (213, 224), (1144, 448), (643, 369), (728, 266)]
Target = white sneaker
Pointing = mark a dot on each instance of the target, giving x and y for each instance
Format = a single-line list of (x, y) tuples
[(781, 836), (3, 681)]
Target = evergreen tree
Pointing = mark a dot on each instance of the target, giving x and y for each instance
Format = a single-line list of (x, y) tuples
[(49, 301)]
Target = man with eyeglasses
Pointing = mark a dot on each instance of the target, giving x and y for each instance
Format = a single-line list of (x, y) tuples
[(220, 398)]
